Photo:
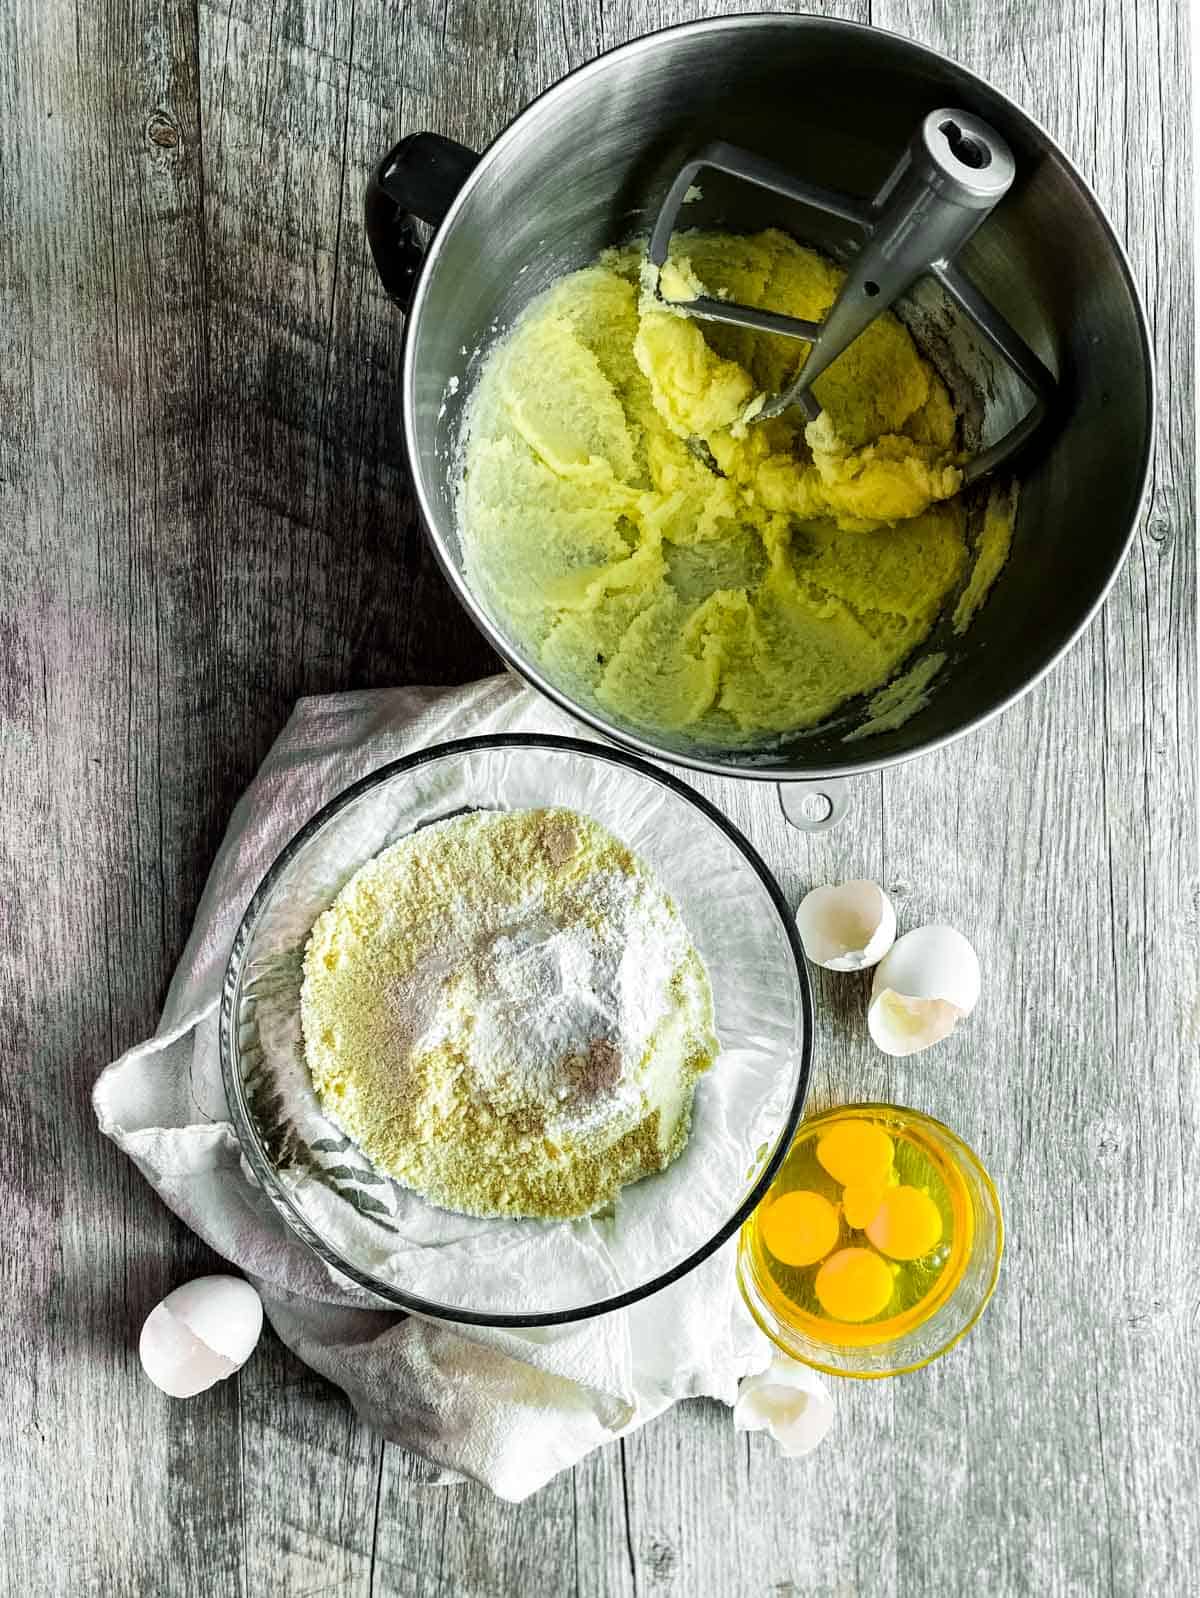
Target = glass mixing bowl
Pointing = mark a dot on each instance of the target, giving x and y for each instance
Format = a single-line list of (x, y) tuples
[(506, 1272)]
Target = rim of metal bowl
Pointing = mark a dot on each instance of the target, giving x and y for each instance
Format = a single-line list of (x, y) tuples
[(513, 655), (248, 1135)]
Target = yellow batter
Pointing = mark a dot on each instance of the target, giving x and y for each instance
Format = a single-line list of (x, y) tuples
[(681, 565)]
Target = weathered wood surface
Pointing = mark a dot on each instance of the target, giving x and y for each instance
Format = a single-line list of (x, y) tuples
[(203, 514)]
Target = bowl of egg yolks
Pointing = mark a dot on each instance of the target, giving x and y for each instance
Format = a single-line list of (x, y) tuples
[(877, 1245)]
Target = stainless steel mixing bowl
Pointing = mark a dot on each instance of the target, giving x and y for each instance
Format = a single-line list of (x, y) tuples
[(586, 165)]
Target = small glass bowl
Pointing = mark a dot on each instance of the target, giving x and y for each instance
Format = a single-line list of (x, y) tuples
[(867, 1354)]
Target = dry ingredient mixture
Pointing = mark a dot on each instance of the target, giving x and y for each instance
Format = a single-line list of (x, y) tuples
[(506, 1013), (687, 568)]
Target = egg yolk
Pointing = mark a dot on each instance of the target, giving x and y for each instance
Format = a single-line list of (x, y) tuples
[(800, 1228), (906, 1225), (855, 1153), (853, 1285), (860, 1203)]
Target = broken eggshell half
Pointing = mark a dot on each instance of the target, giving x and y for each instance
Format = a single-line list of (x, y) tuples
[(200, 1333), (788, 1402), (846, 928), (924, 986)]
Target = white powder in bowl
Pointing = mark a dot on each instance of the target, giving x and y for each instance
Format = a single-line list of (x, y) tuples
[(506, 1013)]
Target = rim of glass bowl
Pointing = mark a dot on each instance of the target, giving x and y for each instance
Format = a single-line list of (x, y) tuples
[(747, 1284), (248, 1135)]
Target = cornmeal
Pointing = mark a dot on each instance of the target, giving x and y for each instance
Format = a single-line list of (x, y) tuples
[(505, 1012), (673, 561)]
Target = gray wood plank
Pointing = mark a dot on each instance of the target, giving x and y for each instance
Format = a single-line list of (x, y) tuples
[(310, 1482), (461, 1539), (106, 780)]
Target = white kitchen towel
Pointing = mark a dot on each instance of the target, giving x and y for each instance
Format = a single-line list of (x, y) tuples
[(506, 1408)]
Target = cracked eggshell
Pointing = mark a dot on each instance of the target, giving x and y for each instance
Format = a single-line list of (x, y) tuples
[(924, 986), (200, 1333), (847, 928), (788, 1402)]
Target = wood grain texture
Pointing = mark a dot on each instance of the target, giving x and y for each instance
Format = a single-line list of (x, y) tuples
[(107, 783), (205, 513), (1080, 1084)]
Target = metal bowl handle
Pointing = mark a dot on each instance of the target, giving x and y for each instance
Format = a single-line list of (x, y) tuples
[(415, 182), (816, 805)]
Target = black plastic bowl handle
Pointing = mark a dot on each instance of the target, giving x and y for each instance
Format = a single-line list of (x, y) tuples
[(415, 182)]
